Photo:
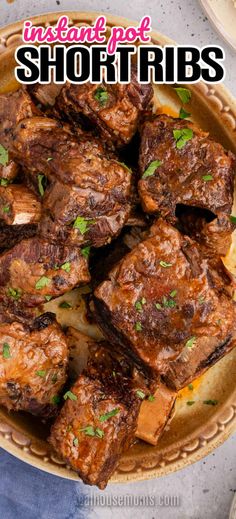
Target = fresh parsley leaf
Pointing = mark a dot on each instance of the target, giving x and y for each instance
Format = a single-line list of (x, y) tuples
[(55, 400), (182, 137), (190, 343), (140, 394), (90, 431), (42, 282), (75, 442), (4, 157), (47, 298), (66, 266), (207, 178), (138, 327), (41, 373), (83, 224), (6, 351), (190, 387), (85, 252), (15, 293), (69, 395), (184, 94), (108, 415), (233, 219), (6, 209), (165, 265), (210, 402), (99, 433), (151, 398), (183, 114), (40, 184), (65, 304), (190, 402), (4, 182), (173, 293), (151, 168), (201, 300), (139, 304), (101, 95), (158, 306)]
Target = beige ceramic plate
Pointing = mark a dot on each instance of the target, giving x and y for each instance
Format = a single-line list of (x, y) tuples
[(194, 431), (222, 15)]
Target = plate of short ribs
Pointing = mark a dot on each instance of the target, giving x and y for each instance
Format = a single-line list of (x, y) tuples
[(116, 275)]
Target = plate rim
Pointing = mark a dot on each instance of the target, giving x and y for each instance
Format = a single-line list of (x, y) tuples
[(223, 422)]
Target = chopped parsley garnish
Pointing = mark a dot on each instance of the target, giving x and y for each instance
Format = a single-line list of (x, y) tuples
[(6, 209), (165, 265), (4, 157), (65, 304), (82, 224), (138, 326), (75, 442), (15, 293), (4, 182), (151, 168), (49, 158), (41, 373), (85, 252), (207, 178), (233, 219), (210, 402), (40, 184), (167, 303), (173, 293), (90, 431), (139, 304), (66, 266), (56, 400), (190, 387), (201, 300), (158, 306), (101, 95), (69, 395), (184, 94), (182, 137), (140, 394), (190, 343), (6, 351), (42, 282), (108, 415), (47, 298), (191, 402), (183, 114), (151, 398)]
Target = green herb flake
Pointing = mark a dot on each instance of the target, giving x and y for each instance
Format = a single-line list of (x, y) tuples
[(233, 219), (207, 178), (42, 282), (99, 433), (165, 265), (40, 184), (182, 137), (4, 156), (85, 252), (190, 402), (138, 326), (75, 442), (55, 400), (173, 293), (15, 293), (101, 95), (69, 395), (47, 298), (190, 343), (65, 304), (210, 402), (184, 94), (6, 209), (82, 224), (158, 306), (66, 266), (139, 304), (151, 168), (183, 114), (140, 394), (151, 398), (108, 415), (201, 300), (41, 373), (190, 387), (90, 431), (4, 182), (6, 351), (49, 159), (168, 303)]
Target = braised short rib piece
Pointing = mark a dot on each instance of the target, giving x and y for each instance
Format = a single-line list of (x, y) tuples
[(34, 271), (160, 306), (98, 420), (19, 205), (113, 109), (33, 365)]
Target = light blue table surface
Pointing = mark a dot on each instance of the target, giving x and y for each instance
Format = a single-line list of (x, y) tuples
[(205, 489)]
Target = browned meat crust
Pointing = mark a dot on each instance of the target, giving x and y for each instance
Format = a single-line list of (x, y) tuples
[(10, 235), (13, 108), (19, 205), (34, 270), (84, 434), (160, 302), (33, 365), (8, 172), (114, 109)]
